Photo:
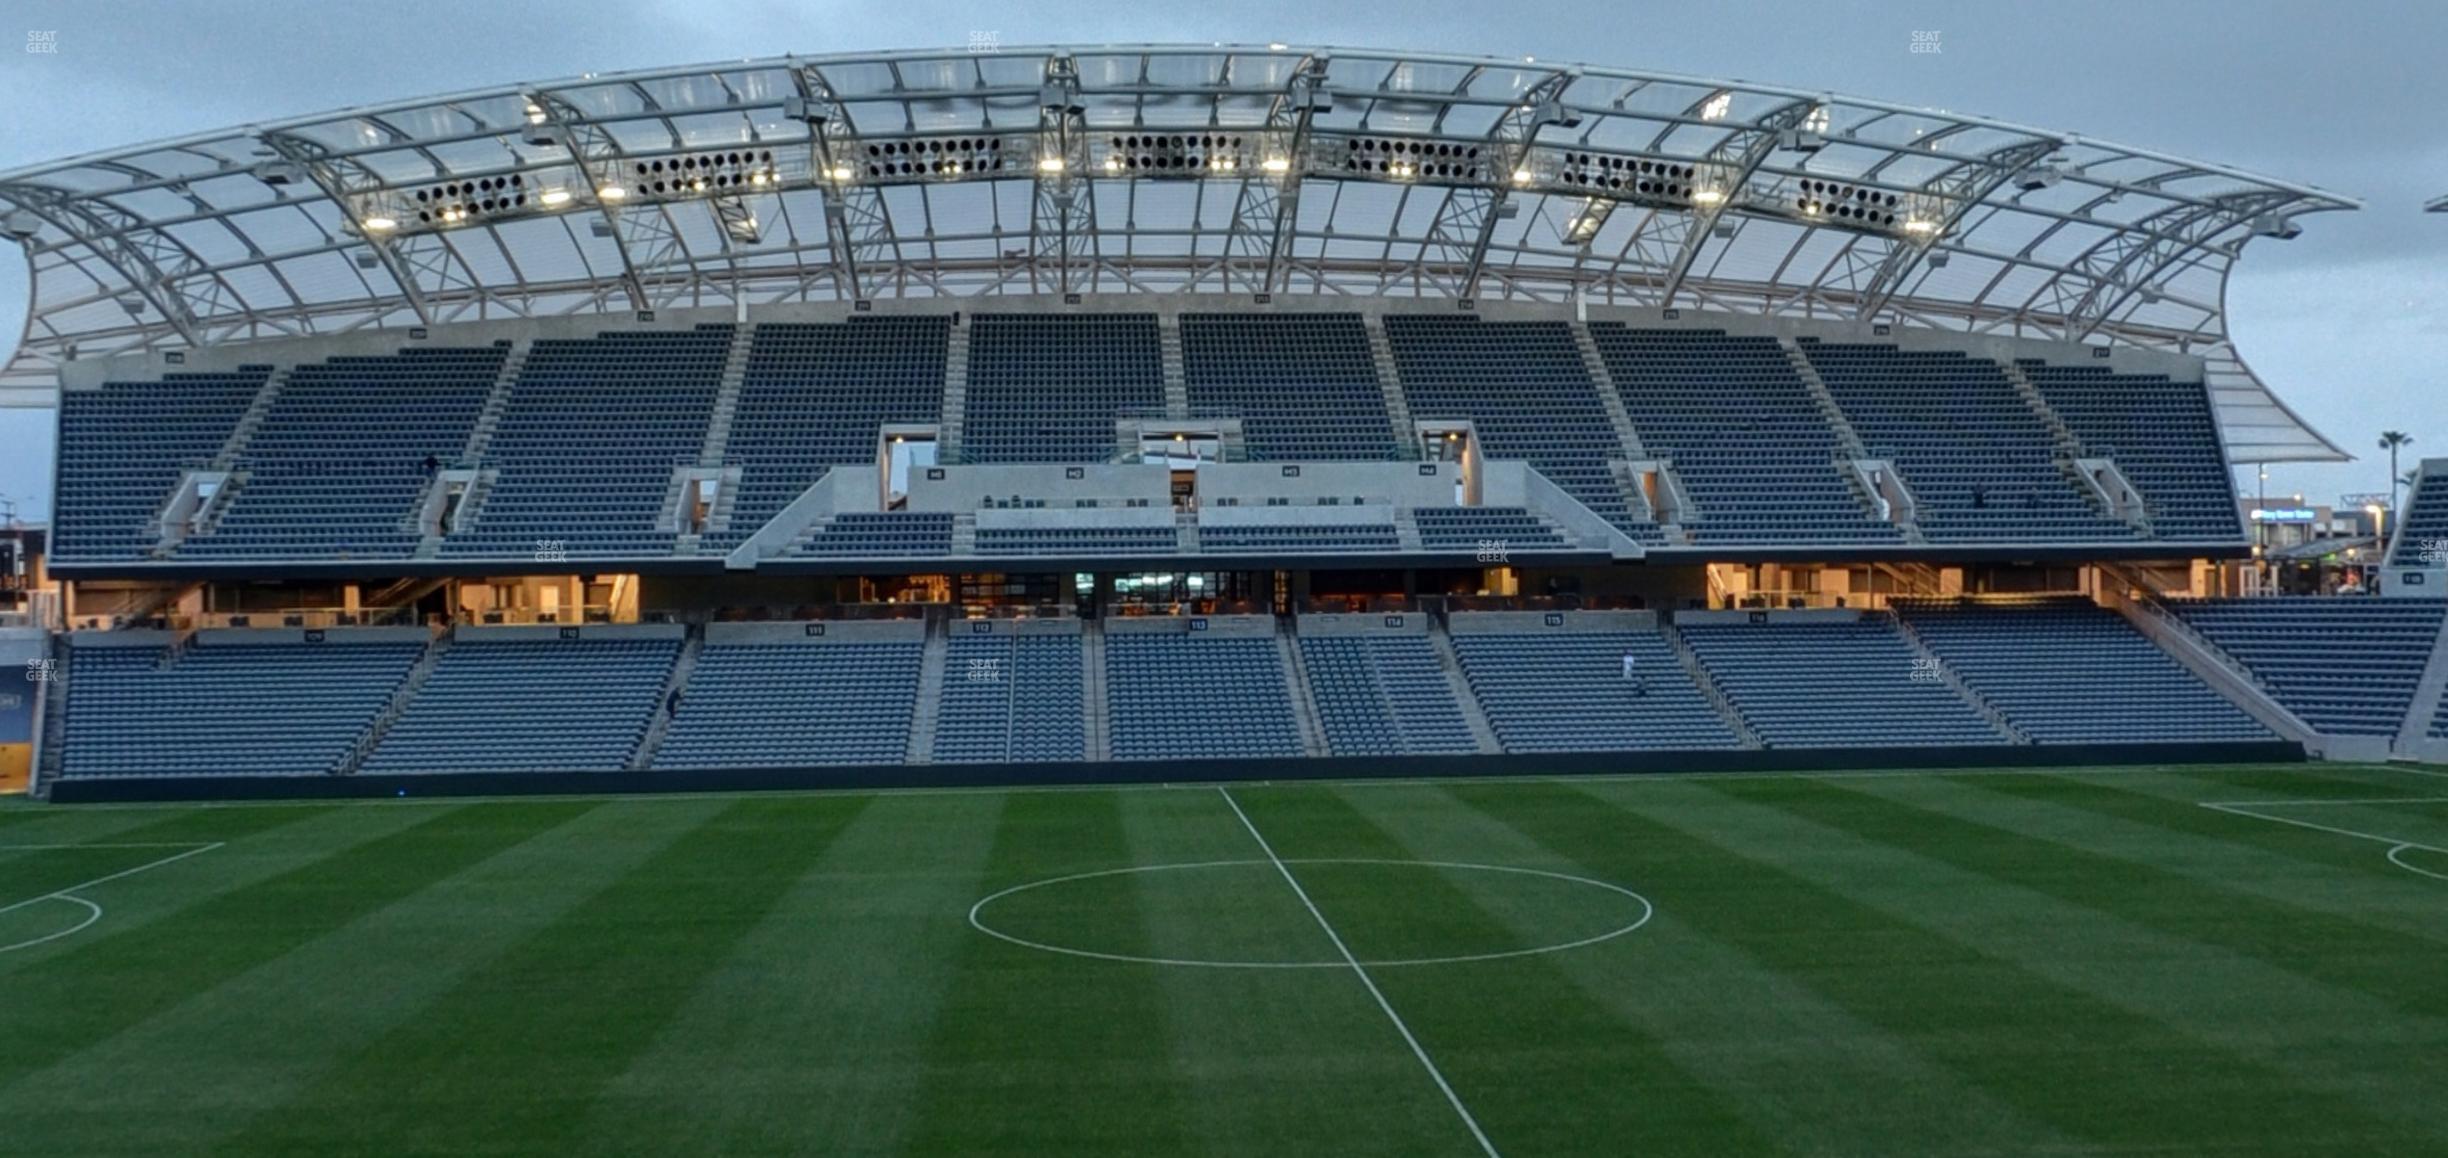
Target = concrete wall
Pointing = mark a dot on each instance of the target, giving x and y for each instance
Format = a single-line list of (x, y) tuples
[(1365, 623), (1213, 625), (1513, 622), (965, 487), (259, 636), (818, 633), (483, 633), (1407, 484)]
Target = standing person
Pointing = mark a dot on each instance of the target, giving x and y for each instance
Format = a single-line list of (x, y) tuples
[(1632, 675)]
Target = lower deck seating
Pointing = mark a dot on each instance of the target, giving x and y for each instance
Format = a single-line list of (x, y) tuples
[(2347, 666), (1076, 541), (1011, 698), (784, 704), (226, 709), (2068, 671), (1382, 695), (1834, 684), (576, 705), (1187, 696), (1563, 691)]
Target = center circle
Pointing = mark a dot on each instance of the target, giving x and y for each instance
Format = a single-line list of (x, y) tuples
[(1607, 912)]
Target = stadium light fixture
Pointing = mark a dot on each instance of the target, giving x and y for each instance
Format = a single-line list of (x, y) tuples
[(840, 172), (611, 193), (1277, 165), (380, 224), (2039, 177), (1523, 175), (1920, 225), (2277, 225), (556, 196), (1715, 108), (21, 226), (1707, 196), (1049, 164)]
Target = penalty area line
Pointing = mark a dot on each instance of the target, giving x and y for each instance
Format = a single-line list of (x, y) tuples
[(2396, 850), (1361, 971), (67, 894)]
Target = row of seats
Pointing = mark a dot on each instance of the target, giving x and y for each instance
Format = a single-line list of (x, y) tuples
[(1526, 392), (587, 444), (1560, 691), (562, 705), (1303, 385), (1185, 696), (2345, 666), (1383, 695), (122, 449), (2059, 671), (1733, 417), (1982, 465), (815, 396), (2163, 437), (2068, 671), (792, 704), (340, 462), (231, 709), (1011, 698), (2422, 531), (585, 449), (1835, 684)]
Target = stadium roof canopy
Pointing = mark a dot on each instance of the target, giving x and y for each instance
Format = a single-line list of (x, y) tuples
[(1146, 169)]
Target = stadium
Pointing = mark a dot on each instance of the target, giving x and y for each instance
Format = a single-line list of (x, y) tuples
[(1194, 599)]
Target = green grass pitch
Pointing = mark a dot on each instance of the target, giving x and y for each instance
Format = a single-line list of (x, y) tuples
[(2079, 962)]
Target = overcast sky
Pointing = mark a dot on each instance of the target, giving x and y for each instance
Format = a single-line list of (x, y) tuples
[(2349, 322)]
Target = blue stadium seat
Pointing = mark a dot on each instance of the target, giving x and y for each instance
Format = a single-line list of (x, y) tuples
[(1821, 684), (559, 705), (2347, 666), (1565, 692), (1383, 695), (787, 704), (241, 709), (1184, 696), (2068, 671)]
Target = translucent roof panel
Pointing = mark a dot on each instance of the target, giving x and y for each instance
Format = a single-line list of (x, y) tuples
[(945, 173)]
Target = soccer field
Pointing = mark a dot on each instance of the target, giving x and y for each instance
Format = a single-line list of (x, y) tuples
[(2171, 961)]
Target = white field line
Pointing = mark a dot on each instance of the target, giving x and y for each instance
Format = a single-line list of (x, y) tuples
[(68, 895), (1361, 972), (2396, 846), (817, 792), (2396, 857), (2235, 804)]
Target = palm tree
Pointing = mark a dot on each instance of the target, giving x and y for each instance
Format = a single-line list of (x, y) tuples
[(2390, 440)]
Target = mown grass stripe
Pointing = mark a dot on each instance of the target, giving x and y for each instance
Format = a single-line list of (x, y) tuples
[(2141, 805), (520, 1047), (113, 979), (1541, 1064), (1734, 1022), (2327, 948), (1035, 1053), (836, 990), (2084, 1067), (192, 1075)]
